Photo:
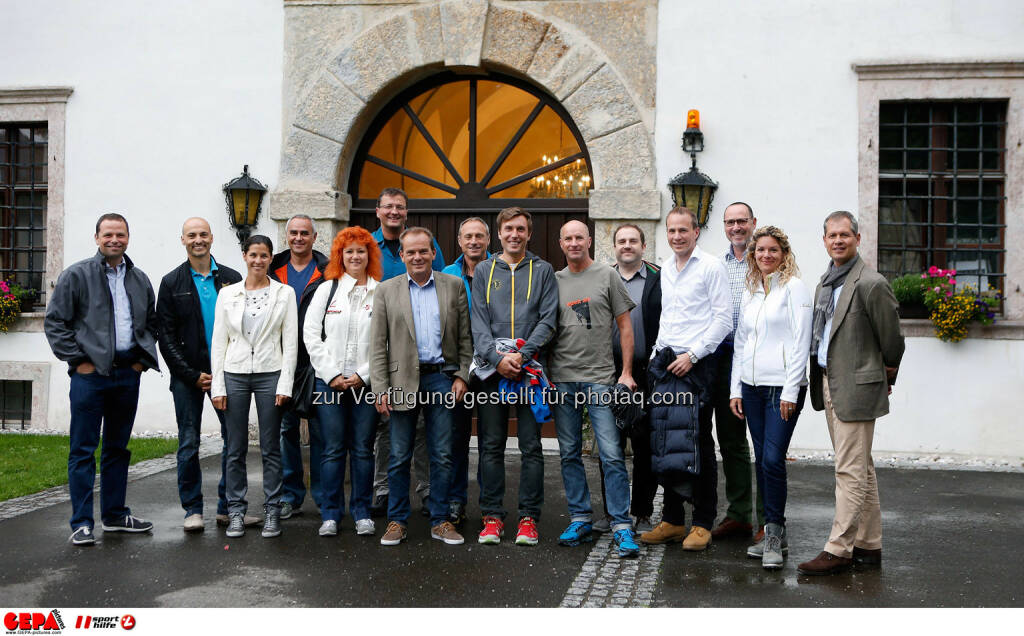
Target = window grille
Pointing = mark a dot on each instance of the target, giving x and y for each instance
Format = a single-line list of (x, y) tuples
[(23, 191)]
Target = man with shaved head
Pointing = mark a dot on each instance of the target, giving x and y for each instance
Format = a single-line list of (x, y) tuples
[(188, 295), (591, 299)]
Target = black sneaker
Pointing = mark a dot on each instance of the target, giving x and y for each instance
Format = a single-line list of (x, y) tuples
[(83, 536), (271, 525), (457, 513), (379, 506), (127, 524)]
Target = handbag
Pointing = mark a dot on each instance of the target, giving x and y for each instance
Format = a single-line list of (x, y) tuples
[(305, 378)]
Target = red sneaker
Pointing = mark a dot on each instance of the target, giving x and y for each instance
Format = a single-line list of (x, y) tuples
[(527, 532), (492, 532)]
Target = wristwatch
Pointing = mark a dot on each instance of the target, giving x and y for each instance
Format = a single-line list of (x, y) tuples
[(693, 357)]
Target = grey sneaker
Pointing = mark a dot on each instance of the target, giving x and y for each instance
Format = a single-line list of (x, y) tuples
[(602, 525), (366, 527), (236, 525), (328, 528), (642, 524), (271, 525), (756, 551), (775, 546), (286, 510)]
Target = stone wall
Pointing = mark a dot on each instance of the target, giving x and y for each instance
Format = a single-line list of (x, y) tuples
[(345, 60)]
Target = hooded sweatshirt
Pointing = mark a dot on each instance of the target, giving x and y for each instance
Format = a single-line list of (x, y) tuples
[(519, 302)]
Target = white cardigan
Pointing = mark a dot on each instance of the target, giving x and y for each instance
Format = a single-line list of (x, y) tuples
[(328, 357), (773, 338), (276, 345)]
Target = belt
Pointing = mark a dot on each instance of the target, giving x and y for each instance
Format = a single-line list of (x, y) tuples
[(429, 368)]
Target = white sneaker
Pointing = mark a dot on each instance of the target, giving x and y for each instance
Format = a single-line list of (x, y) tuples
[(194, 523), (366, 527), (328, 528)]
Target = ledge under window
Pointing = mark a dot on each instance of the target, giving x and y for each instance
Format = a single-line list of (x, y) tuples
[(1000, 330)]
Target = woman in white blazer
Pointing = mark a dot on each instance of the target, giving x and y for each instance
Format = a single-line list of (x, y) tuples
[(253, 354), (769, 377), (337, 336)]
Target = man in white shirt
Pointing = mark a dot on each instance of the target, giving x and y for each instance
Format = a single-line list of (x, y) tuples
[(696, 316)]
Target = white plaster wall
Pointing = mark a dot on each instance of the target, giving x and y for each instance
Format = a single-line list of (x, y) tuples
[(778, 102), (170, 100)]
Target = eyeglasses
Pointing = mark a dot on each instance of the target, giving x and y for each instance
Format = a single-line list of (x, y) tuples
[(732, 222), (392, 206)]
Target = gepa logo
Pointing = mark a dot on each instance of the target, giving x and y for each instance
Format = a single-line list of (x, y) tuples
[(33, 622)]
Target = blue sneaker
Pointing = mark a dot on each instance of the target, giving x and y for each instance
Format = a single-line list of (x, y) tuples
[(628, 549), (578, 532)]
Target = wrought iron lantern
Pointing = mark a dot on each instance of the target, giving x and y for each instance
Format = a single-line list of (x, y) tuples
[(244, 196), (693, 189)]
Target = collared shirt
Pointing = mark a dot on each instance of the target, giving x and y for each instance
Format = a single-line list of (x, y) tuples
[(207, 290), (826, 334), (696, 313), (426, 314), (737, 270), (124, 339), (635, 287), (392, 265)]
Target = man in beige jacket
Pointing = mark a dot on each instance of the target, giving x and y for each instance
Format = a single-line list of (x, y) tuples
[(420, 356), (856, 348)]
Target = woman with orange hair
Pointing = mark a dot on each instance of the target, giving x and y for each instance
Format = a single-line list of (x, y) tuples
[(337, 335)]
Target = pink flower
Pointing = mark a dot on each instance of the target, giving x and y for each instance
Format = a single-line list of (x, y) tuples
[(924, 275), (933, 271), (952, 272), (3, 287), (952, 280), (936, 290), (949, 294)]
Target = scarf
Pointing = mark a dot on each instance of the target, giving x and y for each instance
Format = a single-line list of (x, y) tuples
[(823, 305)]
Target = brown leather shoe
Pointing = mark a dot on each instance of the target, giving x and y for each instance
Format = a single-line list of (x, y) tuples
[(731, 528), (394, 535), (863, 556), (664, 532), (446, 532), (824, 564), (698, 539), (759, 537), (249, 520)]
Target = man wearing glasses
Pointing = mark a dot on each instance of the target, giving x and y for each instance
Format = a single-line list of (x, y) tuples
[(393, 212)]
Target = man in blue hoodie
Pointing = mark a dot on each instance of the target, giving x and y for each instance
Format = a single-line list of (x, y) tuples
[(474, 237), (514, 296)]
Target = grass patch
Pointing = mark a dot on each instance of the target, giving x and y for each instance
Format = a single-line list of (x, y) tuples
[(30, 463)]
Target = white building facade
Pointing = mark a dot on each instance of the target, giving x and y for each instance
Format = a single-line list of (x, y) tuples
[(147, 108)]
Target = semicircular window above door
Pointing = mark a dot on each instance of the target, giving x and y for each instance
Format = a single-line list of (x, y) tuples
[(472, 139)]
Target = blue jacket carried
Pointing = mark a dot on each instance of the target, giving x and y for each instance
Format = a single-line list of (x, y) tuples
[(675, 439)]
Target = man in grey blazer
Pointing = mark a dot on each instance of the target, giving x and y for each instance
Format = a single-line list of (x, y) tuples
[(856, 348), (420, 356)]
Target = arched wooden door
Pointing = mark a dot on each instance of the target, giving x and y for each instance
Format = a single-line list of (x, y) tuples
[(469, 146)]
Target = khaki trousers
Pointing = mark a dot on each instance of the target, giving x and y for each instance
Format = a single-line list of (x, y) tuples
[(858, 519)]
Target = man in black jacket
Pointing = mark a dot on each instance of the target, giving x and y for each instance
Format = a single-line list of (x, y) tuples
[(101, 321), (301, 267), (185, 309)]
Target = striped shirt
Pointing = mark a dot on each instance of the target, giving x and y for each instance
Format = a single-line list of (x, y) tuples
[(737, 269)]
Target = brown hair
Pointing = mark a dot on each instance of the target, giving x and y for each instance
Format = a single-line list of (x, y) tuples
[(615, 234), (787, 268), (681, 210), (508, 214)]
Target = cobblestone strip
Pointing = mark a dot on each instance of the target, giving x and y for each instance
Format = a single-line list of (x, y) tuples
[(605, 580), (59, 494)]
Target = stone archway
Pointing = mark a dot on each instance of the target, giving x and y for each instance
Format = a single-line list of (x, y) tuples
[(329, 117)]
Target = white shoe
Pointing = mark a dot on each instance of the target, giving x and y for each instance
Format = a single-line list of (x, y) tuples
[(194, 523), (366, 527), (328, 528)]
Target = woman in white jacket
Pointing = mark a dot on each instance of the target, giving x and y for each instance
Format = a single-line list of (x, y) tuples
[(769, 378), (253, 354), (337, 335)]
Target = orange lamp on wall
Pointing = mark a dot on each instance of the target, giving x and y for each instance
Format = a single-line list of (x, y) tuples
[(693, 189)]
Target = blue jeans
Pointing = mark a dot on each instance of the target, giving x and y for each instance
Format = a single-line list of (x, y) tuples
[(107, 402), (771, 435), (568, 412), (188, 409), (438, 423), (294, 485), (348, 428)]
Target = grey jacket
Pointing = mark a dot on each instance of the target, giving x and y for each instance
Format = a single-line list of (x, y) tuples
[(535, 305), (79, 321), (865, 339)]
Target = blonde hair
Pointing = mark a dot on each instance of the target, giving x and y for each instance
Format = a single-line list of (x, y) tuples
[(787, 268)]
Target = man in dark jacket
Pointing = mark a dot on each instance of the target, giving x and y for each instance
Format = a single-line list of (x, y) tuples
[(302, 267), (101, 320), (185, 308)]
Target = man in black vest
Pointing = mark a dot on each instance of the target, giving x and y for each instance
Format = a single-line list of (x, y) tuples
[(185, 304)]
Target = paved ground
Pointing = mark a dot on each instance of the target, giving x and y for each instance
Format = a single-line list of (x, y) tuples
[(950, 541)]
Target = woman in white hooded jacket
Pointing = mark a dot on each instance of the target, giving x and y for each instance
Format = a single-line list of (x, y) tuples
[(337, 336), (769, 377), (253, 355)]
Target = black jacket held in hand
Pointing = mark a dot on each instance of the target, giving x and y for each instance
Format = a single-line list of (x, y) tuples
[(182, 332), (675, 437), (79, 321)]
